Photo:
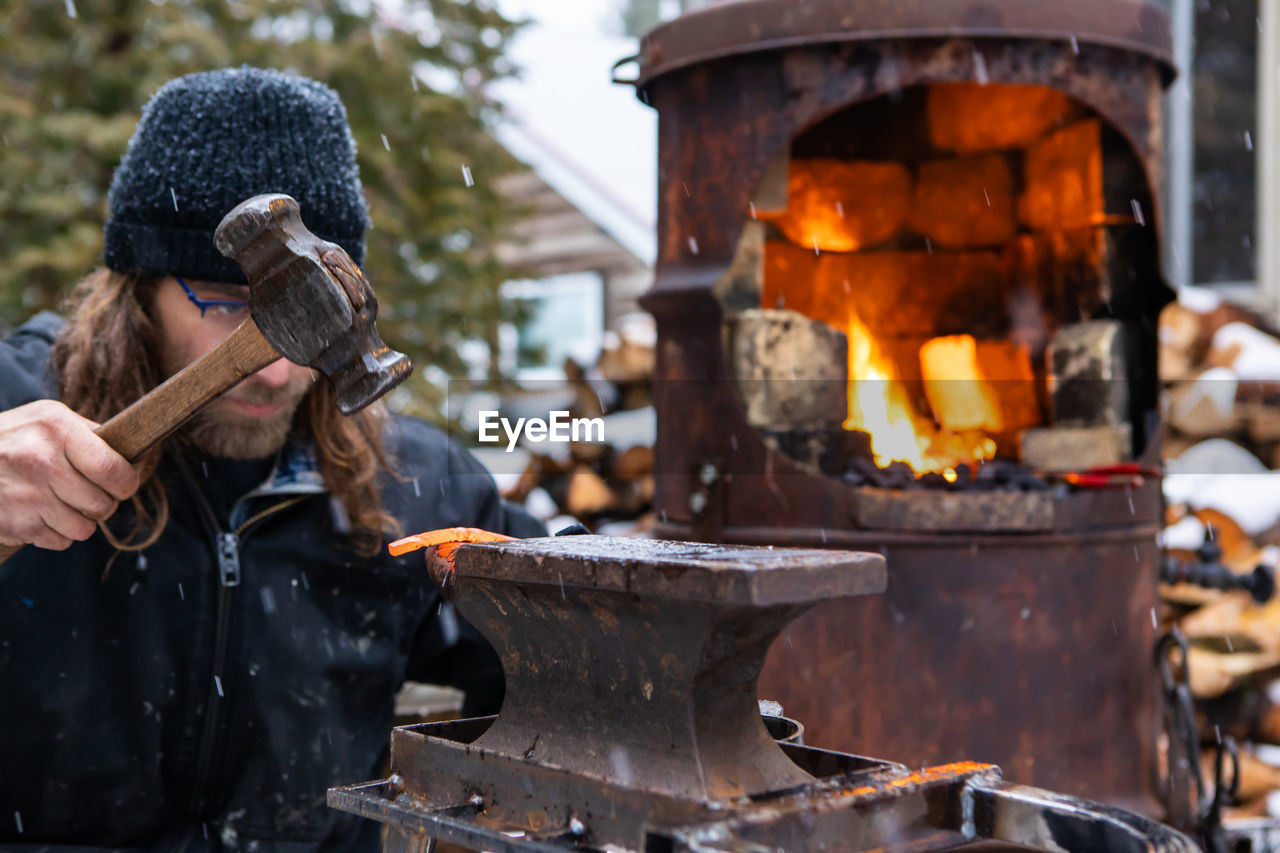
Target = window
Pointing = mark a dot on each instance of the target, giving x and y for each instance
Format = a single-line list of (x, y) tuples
[(1213, 131), (565, 320)]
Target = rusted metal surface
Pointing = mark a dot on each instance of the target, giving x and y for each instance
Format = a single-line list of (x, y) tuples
[(1032, 652), (749, 26), (761, 496), (871, 806), (631, 723), (915, 812), (945, 511), (634, 661), (714, 151)]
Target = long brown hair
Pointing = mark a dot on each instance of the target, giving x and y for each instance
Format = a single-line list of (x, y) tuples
[(108, 356)]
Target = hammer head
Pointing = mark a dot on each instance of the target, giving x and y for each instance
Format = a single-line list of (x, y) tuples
[(309, 299)]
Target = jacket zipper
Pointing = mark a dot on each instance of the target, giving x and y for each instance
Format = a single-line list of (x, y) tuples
[(228, 554)]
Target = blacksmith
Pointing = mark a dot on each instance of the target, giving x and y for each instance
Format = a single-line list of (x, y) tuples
[(197, 646)]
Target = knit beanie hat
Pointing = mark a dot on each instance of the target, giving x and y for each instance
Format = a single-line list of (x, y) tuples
[(207, 142)]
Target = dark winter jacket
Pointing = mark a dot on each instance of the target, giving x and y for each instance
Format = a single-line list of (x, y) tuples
[(204, 693)]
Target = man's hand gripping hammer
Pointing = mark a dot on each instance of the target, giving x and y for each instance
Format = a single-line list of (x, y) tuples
[(308, 302)]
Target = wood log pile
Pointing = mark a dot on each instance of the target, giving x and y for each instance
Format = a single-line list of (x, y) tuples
[(1220, 372), (605, 485)]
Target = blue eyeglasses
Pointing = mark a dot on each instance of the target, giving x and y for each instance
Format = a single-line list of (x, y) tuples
[(231, 305)]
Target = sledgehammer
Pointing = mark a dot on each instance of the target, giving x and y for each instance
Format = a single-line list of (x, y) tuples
[(308, 302)]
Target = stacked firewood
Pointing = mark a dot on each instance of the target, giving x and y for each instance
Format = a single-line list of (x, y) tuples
[(1220, 371), (606, 484)]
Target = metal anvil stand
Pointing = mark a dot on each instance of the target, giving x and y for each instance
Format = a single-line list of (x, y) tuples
[(631, 723)]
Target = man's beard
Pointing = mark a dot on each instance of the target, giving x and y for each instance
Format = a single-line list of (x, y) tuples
[(219, 430)]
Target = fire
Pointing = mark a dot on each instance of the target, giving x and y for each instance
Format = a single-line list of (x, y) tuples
[(880, 405), (980, 233)]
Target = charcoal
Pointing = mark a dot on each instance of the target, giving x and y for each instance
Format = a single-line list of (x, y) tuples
[(1028, 481), (852, 478), (898, 476), (866, 468), (1003, 471)]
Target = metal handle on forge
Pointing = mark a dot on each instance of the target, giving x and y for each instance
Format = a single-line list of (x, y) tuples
[(613, 70)]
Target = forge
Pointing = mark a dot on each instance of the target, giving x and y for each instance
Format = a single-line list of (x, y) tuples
[(907, 286), (980, 280)]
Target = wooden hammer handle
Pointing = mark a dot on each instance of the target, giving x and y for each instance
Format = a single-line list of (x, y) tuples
[(167, 407)]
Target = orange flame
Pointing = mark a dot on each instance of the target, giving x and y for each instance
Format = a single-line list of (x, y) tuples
[(878, 403), (880, 406)]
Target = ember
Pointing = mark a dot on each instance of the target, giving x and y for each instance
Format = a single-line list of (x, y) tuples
[(442, 544)]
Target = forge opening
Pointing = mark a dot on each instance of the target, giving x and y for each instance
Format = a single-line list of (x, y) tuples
[(951, 283)]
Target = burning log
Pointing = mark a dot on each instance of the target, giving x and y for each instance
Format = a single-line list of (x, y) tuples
[(1088, 382), (1065, 449), (792, 371), (843, 206), (968, 117), (1064, 180), (791, 281), (965, 203)]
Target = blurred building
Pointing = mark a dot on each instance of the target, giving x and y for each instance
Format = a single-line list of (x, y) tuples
[(588, 241)]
